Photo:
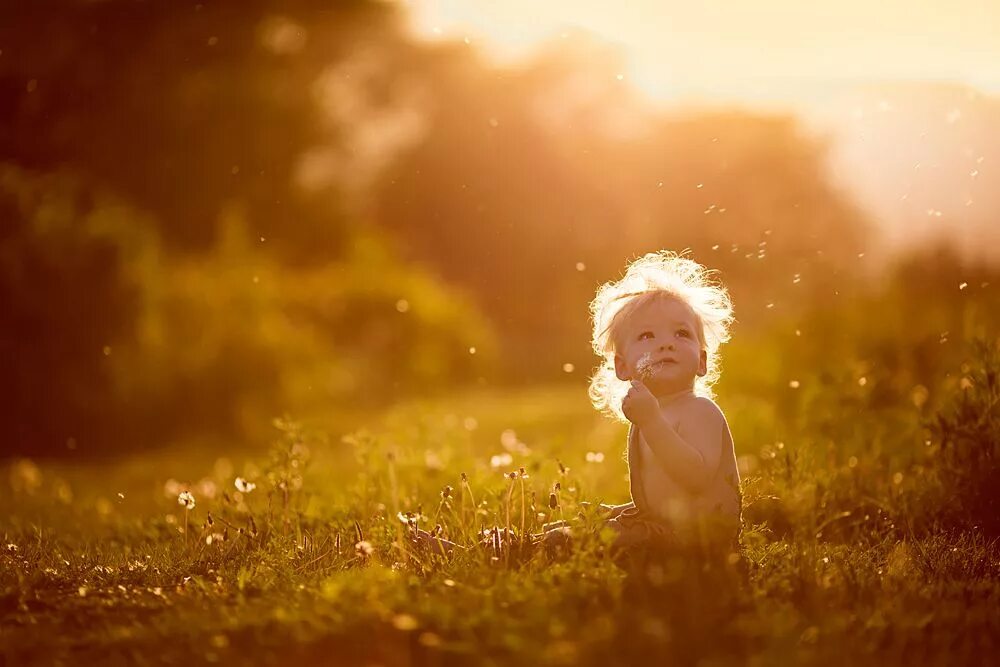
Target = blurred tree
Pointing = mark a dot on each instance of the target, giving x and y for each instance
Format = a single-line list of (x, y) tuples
[(194, 262), (181, 107), (532, 185), (67, 296), (107, 342)]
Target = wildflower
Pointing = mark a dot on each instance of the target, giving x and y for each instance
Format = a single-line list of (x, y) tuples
[(465, 478), (244, 486), (186, 499), (522, 473), (512, 476), (563, 470), (446, 492), (214, 537), (553, 501), (364, 548)]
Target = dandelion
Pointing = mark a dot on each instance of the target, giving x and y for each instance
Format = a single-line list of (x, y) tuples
[(645, 366), (186, 499), (364, 548), (244, 486)]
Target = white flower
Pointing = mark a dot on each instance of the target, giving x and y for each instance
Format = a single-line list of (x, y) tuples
[(244, 486), (186, 499), (364, 548)]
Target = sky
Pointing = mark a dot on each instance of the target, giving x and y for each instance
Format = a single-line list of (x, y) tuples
[(741, 49)]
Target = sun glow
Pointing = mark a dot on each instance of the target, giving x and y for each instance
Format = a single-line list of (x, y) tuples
[(742, 51)]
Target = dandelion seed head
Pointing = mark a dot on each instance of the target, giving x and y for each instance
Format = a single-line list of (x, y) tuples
[(243, 486), (186, 499)]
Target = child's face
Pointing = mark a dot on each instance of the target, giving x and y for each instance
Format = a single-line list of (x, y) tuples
[(660, 343)]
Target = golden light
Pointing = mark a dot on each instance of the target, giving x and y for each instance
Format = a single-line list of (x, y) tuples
[(730, 50)]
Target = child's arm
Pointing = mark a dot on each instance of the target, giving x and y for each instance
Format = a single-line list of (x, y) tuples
[(691, 457)]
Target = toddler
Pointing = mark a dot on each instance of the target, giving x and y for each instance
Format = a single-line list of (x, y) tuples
[(658, 330)]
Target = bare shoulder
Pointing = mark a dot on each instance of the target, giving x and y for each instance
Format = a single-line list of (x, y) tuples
[(704, 409)]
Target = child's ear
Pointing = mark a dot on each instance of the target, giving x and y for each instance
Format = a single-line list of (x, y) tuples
[(621, 368), (703, 364)]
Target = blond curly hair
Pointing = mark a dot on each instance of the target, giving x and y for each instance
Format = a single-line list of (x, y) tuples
[(657, 275)]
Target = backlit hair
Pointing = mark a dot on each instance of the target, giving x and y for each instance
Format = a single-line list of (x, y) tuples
[(655, 276)]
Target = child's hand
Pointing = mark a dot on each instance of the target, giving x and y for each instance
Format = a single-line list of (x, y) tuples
[(639, 404)]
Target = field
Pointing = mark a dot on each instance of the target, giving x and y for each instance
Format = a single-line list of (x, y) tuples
[(870, 538), (287, 285)]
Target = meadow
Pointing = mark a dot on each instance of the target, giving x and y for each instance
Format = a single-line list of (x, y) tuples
[(870, 529), (282, 283)]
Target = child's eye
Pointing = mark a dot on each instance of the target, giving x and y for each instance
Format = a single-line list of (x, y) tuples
[(683, 333), (645, 334)]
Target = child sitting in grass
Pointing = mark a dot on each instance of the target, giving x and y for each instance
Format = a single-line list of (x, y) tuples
[(658, 330)]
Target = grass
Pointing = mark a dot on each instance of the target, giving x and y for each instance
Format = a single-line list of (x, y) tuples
[(870, 538)]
